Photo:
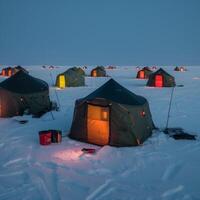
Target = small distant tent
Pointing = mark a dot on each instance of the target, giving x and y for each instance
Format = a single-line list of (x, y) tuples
[(111, 67), (144, 73), (161, 78), (179, 69), (99, 71), (112, 115), (23, 92), (9, 71), (176, 69), (73, 77)]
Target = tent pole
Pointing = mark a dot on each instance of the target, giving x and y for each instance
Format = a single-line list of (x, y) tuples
[(170, 104), (55, 89), (52, 115)]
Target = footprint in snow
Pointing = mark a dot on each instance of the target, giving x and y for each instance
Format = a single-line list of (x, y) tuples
[(171, 171), (102, 189), (11, 162), (173, 191)]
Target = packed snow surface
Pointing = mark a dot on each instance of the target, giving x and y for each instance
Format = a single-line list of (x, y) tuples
[(161, 168)]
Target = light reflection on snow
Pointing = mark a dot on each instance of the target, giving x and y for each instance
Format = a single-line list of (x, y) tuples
[(57, 88), (69, 155), (196, 78)]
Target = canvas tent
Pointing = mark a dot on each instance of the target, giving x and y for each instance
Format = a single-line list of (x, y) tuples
[(161, 78), (99, 71), (112, 115), (179, 69), (23, 92), (73, 77), (9, 71), (144, 73)]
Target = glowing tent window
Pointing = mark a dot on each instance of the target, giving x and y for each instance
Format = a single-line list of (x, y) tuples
[(94, 73), (62, 81), (158, 81), (9, 72), (142, 74), (3, 72)]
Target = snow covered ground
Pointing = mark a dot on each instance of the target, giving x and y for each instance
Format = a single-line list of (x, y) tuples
[(162, 168)]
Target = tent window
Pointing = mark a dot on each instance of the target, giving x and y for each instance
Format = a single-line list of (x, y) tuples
[(3, 72), (142, 74), (62, 81), (94, 73), (9, 72), (158, 81)]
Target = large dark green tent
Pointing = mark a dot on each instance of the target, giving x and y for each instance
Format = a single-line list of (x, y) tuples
[(23, 92), (144, 73), (161, 78), (99, 71), (73, 77), (112, 115)]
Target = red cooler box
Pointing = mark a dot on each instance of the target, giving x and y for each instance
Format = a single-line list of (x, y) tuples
[(56, 136), (45, 137)]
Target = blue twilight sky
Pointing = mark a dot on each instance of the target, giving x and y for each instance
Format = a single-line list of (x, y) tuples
[(118, 32)]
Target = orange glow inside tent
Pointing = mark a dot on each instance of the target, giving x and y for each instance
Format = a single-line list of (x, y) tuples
[(62, 81), (10, 72), (3, 72), (142, 74), (98, 125), (158, 81), (94, 73)]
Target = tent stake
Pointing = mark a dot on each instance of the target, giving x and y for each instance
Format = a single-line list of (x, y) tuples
[(52, 115)]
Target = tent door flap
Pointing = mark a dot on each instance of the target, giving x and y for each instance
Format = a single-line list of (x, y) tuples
[(142, 74), (98, 124), (94, 73), (159, 81), (62, 81)]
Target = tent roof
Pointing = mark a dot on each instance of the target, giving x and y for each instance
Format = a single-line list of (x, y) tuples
[(102, 68), (162, 71), (72, 70), (113, 91), (7, 68), (22, 82), (146, 69)]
